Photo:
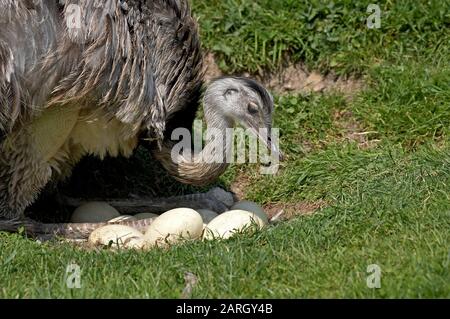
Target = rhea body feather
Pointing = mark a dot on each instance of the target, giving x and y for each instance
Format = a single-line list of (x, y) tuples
[(67, 92)]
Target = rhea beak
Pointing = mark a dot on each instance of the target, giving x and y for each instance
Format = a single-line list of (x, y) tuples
[(265, 137)]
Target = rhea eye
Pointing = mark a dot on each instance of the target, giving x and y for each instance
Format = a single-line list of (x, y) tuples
[(230, 92), (252, 108)]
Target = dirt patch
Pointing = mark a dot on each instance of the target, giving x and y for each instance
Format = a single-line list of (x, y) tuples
[(295, 79), (350, 130), (212, 69), (240, 184), (291, 210)]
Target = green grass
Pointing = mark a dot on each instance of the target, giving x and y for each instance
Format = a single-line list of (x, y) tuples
[(386, 204), (394, 214), (256, 35)]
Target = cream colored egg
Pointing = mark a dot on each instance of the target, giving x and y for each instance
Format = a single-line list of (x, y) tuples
[(145, 216), (229, 223), (135, 243), (207, 215), (94, 212), (251, 207), (114, 235), (174, 225), (122, 218)]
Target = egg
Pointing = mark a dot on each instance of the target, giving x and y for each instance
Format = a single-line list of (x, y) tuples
[(116, 235), (227, 224), (135, 243), (251, 207), (94, 212), (207, 215), (145, 216), (122, 218), (173, 226)]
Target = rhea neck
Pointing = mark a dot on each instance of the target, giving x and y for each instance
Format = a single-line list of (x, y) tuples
[(207, 165), (217, 123)]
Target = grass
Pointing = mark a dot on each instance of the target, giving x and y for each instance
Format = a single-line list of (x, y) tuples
[(395, 214), (387, 195), (255, 35)]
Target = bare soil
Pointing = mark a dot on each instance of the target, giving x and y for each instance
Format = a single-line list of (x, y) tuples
[(292, 210), (295, 78)]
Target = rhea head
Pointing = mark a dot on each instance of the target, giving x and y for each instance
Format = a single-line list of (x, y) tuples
[(228, 101), (236, 100)]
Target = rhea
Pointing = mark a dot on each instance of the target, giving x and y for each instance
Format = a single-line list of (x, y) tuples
[(127, 73)]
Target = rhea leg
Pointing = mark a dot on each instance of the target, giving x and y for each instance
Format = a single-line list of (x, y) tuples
[(216, 199)]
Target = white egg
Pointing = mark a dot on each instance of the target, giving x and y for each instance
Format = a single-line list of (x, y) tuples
[(122, 218), (207, 215), (251, 207), (145, 216), (227, 224), (135, 243), (114, 235), (94, 212), (174, 225)]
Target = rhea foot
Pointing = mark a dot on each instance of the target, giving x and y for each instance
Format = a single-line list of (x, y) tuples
[(64, 230), (216, 199)]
